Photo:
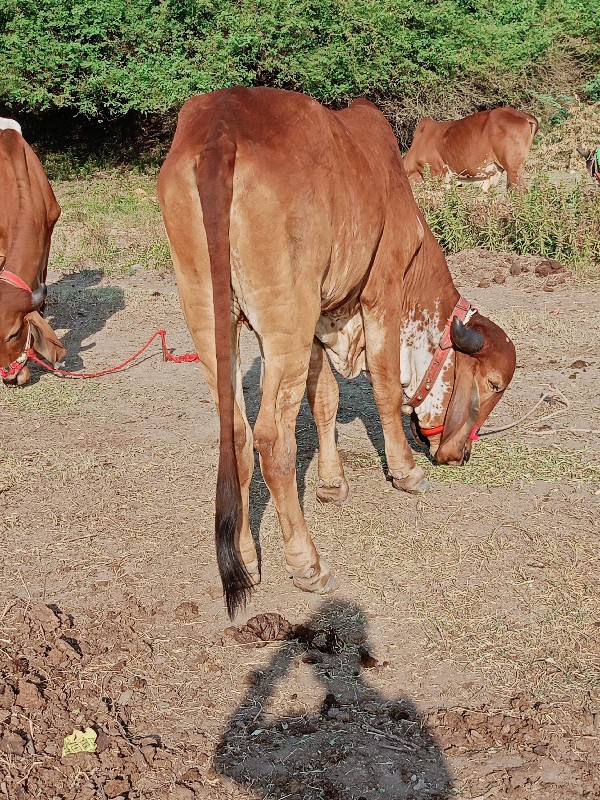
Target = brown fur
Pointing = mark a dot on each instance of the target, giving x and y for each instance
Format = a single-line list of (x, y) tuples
[(320, 225), (28, 213), (464, 147)]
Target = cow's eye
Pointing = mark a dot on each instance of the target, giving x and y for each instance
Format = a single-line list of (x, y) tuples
[(15, 334), (494, 386)]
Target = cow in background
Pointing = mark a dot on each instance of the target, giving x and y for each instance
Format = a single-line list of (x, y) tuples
[(592, 163), (476, 149), (28, 213)]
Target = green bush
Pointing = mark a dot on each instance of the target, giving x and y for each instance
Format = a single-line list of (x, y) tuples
[(109, 57), (554, 221)]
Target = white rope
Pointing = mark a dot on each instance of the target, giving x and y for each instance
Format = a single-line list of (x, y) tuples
[(552, 394)]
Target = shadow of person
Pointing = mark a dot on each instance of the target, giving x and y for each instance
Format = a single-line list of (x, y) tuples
[(78, 303), (352, 745)]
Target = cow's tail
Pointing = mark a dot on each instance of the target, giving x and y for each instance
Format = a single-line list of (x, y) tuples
[(214, 178)]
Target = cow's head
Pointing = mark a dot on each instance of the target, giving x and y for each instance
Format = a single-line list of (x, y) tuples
[(484, 363), (22, 326), (592, 163)]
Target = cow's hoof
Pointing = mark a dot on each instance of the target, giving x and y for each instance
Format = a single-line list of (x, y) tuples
[(414, 483), (254, 572), (319, 581), (421, 487), (336, 491)]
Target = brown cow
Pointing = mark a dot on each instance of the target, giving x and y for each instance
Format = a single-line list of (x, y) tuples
[(301, 222), (28, 212), (476, 149)]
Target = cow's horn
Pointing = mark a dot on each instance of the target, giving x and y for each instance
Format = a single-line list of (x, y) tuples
[(39, 295), (465, 339)]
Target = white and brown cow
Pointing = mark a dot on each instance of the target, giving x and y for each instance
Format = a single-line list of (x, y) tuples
[(28, 213), (301, 222), (475, 149)]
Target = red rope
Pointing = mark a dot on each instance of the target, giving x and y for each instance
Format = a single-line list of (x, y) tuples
[(186, 357)]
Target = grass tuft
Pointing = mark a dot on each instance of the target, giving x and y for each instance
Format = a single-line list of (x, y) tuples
[(552, 221), (112, 223)]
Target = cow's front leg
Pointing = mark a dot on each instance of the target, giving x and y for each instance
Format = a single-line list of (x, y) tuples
[(383, 359), (323, 399)]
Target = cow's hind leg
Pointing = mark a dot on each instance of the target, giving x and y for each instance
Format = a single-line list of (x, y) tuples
[(323, 398), (244, 446), (275, 439)]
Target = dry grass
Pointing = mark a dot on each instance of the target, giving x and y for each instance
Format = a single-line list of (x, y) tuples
[(555, 148), (537, 323), (109, 221), (49, 397), (513, 600), (502, 462)]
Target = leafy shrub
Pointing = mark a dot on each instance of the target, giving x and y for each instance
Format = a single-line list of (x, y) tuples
[(109, 57), (554, 221)]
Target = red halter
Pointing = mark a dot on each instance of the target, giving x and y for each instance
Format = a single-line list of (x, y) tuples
[(10, 277), (440, 429), (460, 310), (18, 364)]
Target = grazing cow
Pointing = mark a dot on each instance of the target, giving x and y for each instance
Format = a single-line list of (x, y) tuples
[(28, 212), (476, 149), (300, 221), (592, 163)]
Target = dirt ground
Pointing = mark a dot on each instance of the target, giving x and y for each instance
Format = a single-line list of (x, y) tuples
[(460, 657)]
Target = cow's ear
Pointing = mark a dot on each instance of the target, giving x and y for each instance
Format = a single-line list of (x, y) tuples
[(463, 409), (585, 153), (45, 340)]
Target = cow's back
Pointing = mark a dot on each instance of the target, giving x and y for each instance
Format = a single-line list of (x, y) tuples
[(29, 209), (284, 134), (322, 175), (499, 136)]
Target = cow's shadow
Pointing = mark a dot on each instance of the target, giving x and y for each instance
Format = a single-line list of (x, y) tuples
[(356, 402), (80, 305), (355, 746)]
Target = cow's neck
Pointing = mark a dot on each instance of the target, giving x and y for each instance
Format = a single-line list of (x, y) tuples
[(24, 244), (429, 298)]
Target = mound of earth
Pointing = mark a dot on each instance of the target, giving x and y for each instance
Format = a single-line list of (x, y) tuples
[(50, 686), (58, 675), (482, 268), (532, 750)]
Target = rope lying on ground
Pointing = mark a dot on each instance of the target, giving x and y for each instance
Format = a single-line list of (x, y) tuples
[(550, 395), (168, 356)]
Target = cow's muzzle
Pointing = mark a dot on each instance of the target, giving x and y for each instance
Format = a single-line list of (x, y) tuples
[(453, 456), (17, 371)]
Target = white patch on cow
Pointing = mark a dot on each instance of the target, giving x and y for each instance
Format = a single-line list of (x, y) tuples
[(344, 339), (10, 124), (488, 176), (419, 340)]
